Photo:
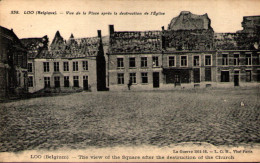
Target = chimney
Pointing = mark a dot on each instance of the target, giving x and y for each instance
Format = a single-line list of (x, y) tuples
[(99, 33), (111, 29), (71, 36), (162, 28), (163, 38)]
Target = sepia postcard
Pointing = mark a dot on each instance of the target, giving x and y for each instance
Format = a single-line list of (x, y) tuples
[(129, 81)]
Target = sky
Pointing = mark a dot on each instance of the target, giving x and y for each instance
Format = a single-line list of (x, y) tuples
[(225, 15)]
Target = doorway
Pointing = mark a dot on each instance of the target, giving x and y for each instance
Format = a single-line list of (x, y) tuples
[(177, 80), (85, 82), (196, 74), (156, 80), (236, 78)]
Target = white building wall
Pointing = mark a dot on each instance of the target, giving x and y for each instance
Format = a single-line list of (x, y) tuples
[(39, 74)]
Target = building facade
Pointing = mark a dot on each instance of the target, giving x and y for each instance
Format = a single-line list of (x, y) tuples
[(13, 64), (134, 59), (73, 65), (238, 58), (188, 54), (238, 68), (189, 69)]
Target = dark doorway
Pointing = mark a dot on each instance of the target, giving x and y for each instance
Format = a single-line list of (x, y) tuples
[(258, 75), (57, 81), (156, 80), (177, 79), (224, 76), (76, 81), (66, 81), (85, 82), (207, 74), (196, 74), (236, 78), (177, 76)]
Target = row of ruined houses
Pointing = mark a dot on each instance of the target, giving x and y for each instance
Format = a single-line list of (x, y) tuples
[(188, 54)]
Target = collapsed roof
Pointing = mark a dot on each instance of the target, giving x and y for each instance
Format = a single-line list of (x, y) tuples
[(59, 48), (188, 21), (135, 41), (35, 45)]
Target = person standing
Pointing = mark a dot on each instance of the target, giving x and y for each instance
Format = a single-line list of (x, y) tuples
[(129, 84)]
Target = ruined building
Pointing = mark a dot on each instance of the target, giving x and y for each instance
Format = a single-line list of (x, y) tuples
[(182, 55), (187, 54), (238, 54), (13, 64), (34, 46), (134, 57), (76, 64), (189, 32), (188, 51)]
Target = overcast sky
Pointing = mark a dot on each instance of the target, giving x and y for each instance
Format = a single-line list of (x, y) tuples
[(226, 16)]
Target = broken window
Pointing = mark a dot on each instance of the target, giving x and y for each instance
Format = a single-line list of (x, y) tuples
[(224, 59), (143, 61), (29, 67), (183, 60), (56, 66), (208, 60), (132, 62), (155, 61), (65, 66), (248, 59), (132, 77), (85, 65), (196, 60), (20, 60), (144, 77), (46, 67), (224, 76), (120, 78), (120, 62), (171, 61), (75, 66), (236, 59)]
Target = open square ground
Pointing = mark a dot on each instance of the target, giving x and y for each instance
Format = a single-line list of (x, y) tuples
[(107, 119)]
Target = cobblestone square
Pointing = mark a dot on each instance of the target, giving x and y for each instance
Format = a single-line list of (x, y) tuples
[(107, 119)]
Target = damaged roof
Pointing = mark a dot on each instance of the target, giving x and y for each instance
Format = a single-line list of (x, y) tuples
[(75, 48), (188, 21), (57, 38), (35, 45), (236, 41), (135, 41), (60, 48)]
